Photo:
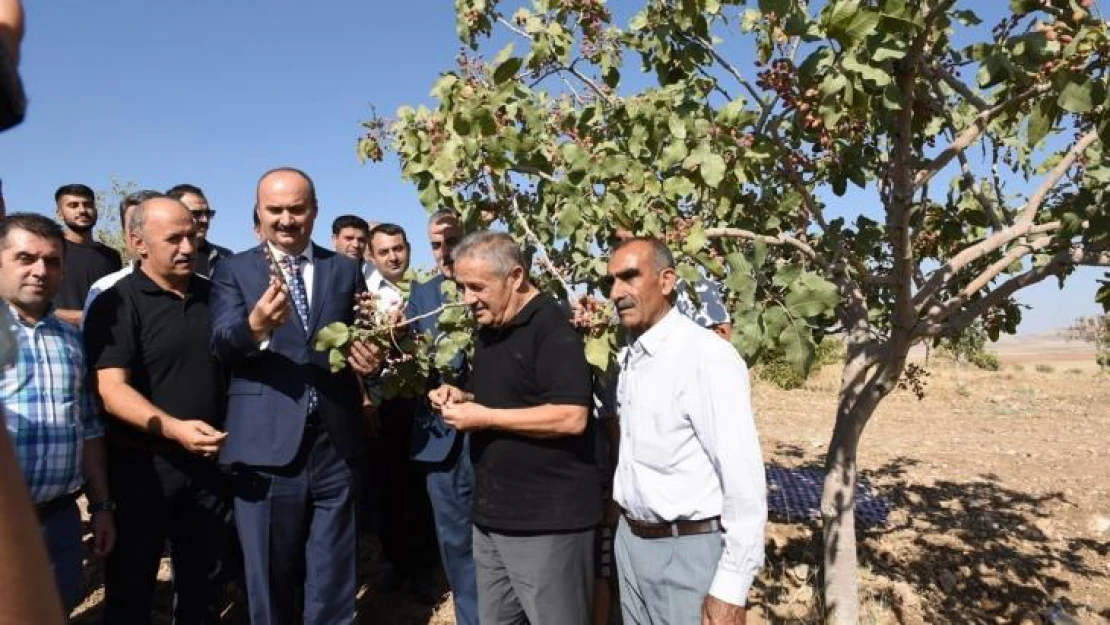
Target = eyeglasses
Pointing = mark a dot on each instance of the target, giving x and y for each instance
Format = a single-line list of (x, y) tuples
[(207, 214)]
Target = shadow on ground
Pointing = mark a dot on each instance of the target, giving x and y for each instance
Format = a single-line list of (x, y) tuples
[(951, 552)]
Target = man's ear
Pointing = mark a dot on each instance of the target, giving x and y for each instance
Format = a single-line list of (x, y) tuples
[(517, 278), (137, 243), (667, 279)]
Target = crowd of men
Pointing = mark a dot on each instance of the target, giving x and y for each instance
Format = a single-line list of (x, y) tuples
[(180, 392)]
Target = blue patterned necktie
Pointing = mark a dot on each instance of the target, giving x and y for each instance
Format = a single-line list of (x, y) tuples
[(293, 267)]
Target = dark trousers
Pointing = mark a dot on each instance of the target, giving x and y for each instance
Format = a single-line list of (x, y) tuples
[(174, 497), (298, 532), (451, 489), (404, 514), (61, 530)]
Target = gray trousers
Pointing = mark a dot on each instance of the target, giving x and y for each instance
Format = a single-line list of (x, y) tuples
[(663, 581), (541, 579)]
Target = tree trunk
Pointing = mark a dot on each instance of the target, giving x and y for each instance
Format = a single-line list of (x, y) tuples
[(860, 394)]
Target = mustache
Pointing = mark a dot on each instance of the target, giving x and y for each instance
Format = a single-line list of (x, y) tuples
[(624, 303)]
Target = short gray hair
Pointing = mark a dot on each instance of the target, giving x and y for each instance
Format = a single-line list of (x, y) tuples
[(663, 257), (444, 215), (498, 249), (138, 214)]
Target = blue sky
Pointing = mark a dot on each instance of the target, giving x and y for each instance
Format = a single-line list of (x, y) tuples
[(213, 93)]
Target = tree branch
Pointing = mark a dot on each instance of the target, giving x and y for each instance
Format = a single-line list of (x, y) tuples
[(780, 240), (796, 181), (971, 133), (728, 67), (1074, 256), (1023, 226), (570, 69), (938, 71)]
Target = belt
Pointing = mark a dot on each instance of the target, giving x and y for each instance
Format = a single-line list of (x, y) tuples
[(674, 529), (56, 504)]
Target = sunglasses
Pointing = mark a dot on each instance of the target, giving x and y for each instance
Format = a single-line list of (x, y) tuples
[(207, 214)]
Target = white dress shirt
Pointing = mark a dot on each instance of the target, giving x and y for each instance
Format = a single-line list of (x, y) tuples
[(307, 267), (307, 273), (688, 448), (389, 296)]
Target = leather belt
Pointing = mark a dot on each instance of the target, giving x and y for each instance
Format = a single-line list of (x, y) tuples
[(674, 529), (57, 504)]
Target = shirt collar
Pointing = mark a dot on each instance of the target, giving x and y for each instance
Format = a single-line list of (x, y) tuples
[(146, 285), (48, 319), (278, 255), (653, 339), (526, 312), (377, 281)]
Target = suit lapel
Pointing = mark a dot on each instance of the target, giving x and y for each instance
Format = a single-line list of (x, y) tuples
[(321, 286)]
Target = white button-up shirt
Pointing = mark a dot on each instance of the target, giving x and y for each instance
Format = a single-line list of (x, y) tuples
[(689, 448), (307, 268), (389, 296)]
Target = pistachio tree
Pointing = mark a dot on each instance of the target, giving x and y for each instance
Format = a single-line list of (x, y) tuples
[(972, 150)]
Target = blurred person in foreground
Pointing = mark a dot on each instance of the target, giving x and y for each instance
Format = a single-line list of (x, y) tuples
[(26, 592)]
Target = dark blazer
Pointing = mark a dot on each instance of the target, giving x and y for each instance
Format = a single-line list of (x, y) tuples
[(267, 393), (432, 439)]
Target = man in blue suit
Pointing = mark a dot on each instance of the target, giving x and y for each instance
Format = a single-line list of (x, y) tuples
[(295, 439), (444, 451)]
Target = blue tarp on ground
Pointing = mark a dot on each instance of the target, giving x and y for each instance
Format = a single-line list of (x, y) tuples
[(795, 495)]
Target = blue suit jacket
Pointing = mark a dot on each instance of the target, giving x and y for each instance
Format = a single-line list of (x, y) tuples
[(432, 439), (267, 393)]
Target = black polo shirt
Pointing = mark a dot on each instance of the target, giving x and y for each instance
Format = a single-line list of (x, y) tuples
[(83, 265), (523, 483), (164, 341)]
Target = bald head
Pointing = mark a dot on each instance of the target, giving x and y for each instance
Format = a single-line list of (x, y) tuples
[(286, 208), (163, 234)]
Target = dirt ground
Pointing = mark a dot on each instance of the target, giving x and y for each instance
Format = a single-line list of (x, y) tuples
[(998, 484)]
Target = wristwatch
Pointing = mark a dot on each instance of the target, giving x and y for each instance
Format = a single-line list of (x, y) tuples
[(102, 506)]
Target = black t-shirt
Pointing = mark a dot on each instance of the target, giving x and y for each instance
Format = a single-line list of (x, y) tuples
[(164, 341), (83, 265), (523, 483)]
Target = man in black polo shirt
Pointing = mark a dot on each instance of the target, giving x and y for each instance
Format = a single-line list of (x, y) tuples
[(536, 497), (148, 339)]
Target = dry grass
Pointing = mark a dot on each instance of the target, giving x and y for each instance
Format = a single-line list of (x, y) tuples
[(1001, 506)]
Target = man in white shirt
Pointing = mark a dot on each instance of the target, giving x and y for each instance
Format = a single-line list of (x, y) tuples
[(690, 477), (389, 247), (106, 282)]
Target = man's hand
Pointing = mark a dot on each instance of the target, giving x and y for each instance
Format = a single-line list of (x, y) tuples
[(104, 533), (717, 612), (196, 436), (465, 416), (364, 358), (447, 394), (272, 309)]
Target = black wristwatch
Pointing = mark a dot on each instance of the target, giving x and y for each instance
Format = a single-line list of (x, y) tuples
[(102, 506)]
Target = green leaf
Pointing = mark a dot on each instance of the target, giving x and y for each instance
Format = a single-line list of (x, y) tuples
[(810, 296), (570, 218), (713, 170), (1077, 96), (850, 24), (695, 240), (796, 341), (507, 69), (677, 126), (967, 18), (749, 20), (1041, 120), (598, 351), (332, 336), (336, 360), (672, 154)]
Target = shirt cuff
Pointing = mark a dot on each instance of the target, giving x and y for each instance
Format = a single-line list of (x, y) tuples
[(731, 586)]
